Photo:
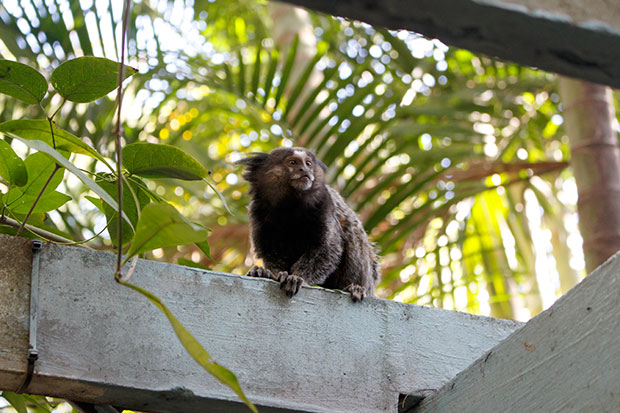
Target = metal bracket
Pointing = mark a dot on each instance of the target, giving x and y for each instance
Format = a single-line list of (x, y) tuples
[(33, 353)]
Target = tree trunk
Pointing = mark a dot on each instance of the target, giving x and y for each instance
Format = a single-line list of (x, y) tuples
[(590, 118)]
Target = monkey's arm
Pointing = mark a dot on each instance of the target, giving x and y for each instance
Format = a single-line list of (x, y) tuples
[(315, 265), (359, 272), (271, 265)]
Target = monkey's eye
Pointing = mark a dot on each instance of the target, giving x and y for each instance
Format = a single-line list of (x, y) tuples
[(292, 162), (308, 163)]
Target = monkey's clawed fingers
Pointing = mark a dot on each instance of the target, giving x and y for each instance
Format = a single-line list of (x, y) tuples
[(357, 292), (261, 272), (290, 283)]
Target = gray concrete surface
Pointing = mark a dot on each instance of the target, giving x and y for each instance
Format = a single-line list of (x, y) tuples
[(566, 359), (103, 343)]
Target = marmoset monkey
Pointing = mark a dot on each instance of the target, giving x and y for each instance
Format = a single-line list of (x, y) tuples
[(302, 229)]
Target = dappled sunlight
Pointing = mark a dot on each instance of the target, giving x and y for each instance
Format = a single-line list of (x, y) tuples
[(455, 162)]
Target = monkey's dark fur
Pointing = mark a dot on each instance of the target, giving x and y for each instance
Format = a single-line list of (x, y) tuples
[(302, 229)]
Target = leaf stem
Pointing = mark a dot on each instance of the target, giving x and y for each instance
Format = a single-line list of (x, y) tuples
[(56, 168), (62, 103), (21, 227), (118, 144), (51, 122), (50, 119)]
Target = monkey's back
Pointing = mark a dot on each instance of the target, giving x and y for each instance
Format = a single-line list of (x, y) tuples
[(359, 264)]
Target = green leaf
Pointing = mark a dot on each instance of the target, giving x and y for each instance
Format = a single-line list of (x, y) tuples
[(39, 168), (38, 404), (241, 80), (47, 202), (206, 249), (43, 147), (313, 117), (219, 195), (97, 202), (152, 160), (16, 400), (39, 129), (286, 72), (161, 225), (256, 73), (12, 167), (88, 78), (310, 99), (271, 72), (22, 82), (229, 77), (301, 85), (194, 348), (129, 206), (190, 263)]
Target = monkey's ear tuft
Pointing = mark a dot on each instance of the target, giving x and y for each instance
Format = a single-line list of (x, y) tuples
[(252, 163), (254, 159), (322, 165)]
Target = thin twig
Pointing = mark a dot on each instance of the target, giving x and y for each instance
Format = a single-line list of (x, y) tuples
[(51, 121), (119, 181), (62, 103), (37, 231), (21, 227), (56, 168)]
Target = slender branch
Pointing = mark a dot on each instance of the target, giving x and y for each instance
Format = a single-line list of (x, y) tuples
[(37, 231), (56, 168), (62, 103), (50, 119), (51, 122), (119, 181), (34, 204)]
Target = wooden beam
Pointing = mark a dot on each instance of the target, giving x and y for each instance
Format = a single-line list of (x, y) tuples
[(566, 359), (102, 343), (575, 38), (15, 270)]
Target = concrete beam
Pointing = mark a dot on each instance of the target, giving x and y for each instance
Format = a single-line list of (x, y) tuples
[(566, 359), (577, 38), (102, 343)]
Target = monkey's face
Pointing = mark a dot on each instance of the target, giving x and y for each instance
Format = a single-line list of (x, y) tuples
[(301, 169), (273, 176)]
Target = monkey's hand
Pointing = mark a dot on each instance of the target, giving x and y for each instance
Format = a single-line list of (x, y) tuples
[(357, 292), (290, 283), (261, 272)]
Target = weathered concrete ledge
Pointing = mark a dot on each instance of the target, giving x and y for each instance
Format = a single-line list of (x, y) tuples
[(102, 343), (566, 359), (577, 38)]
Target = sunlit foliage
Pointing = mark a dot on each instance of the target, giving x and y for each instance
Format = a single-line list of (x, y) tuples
[(456, 162)]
